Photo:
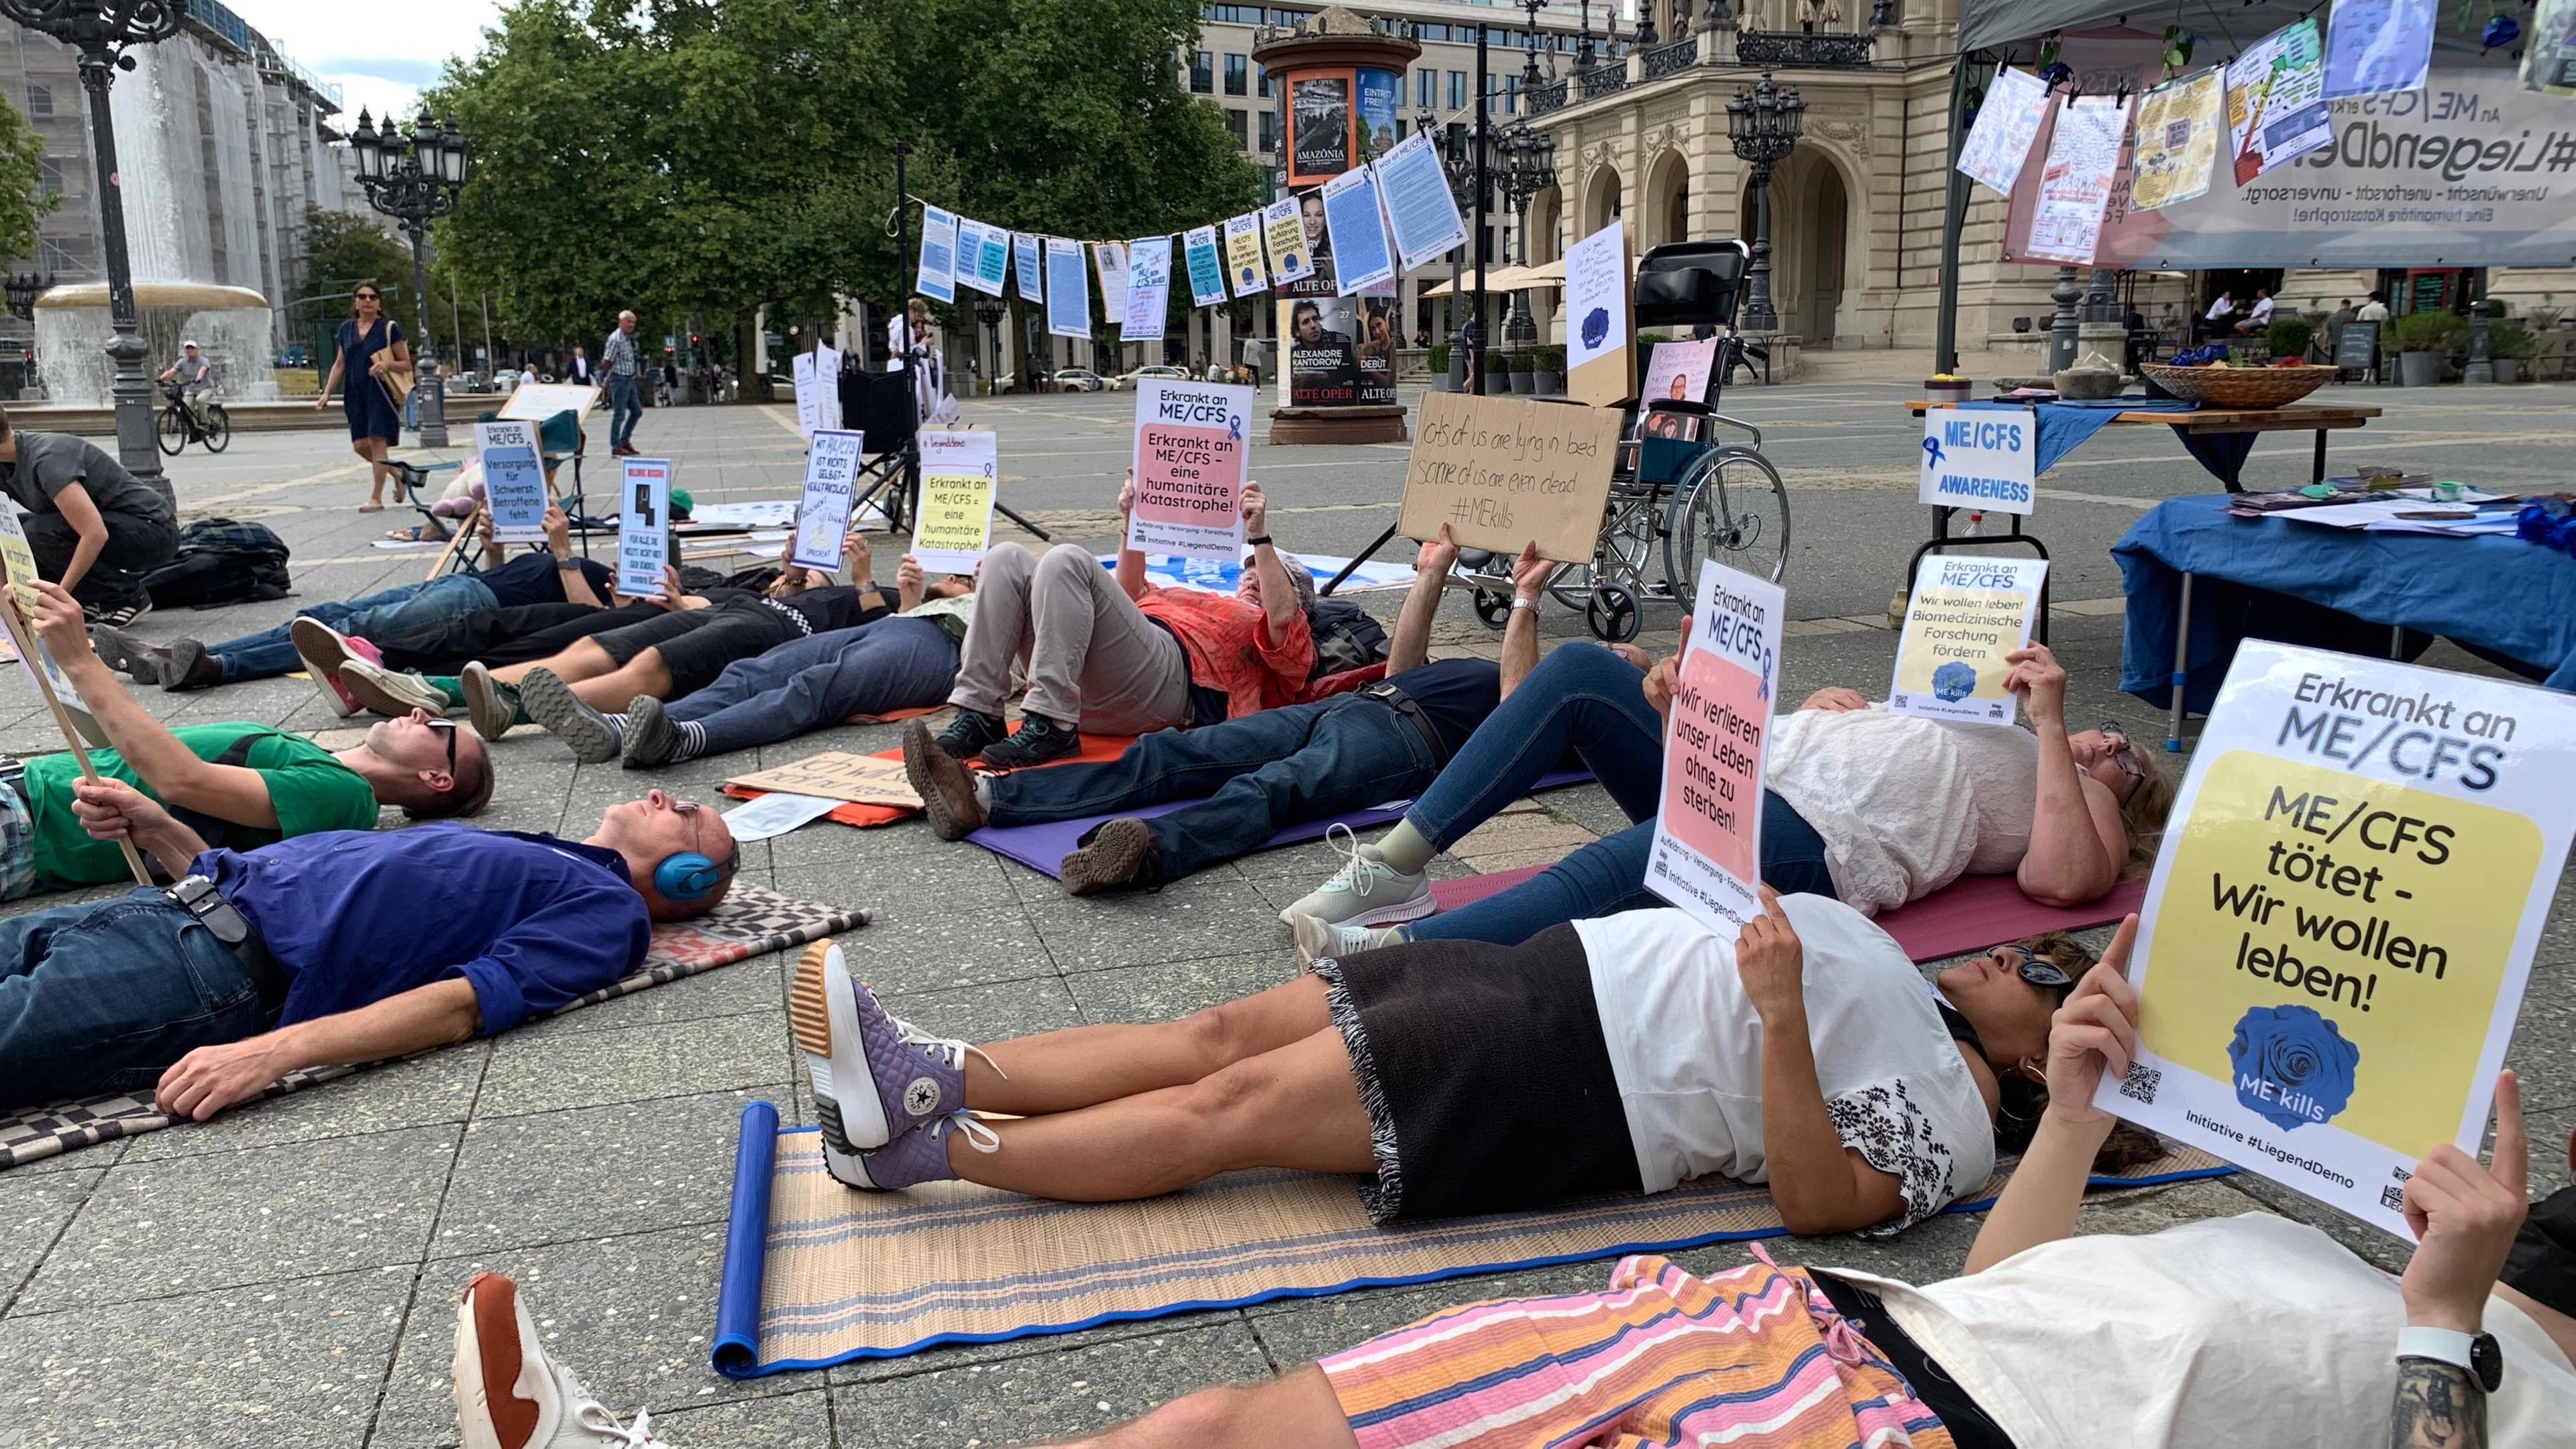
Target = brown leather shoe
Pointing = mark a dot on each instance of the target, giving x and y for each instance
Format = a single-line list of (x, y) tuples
[(1116, 857), (945, 785)]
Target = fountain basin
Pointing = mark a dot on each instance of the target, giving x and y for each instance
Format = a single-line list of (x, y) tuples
[(229, 324)]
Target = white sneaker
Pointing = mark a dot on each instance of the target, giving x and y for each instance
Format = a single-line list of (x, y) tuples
[(323, 650), (390, 691), (1322, 938), (509, 1395), (1366, 891)]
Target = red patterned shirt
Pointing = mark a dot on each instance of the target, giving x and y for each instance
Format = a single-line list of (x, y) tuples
[(1228, 644)]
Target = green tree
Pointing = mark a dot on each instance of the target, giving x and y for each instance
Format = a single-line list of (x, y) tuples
[(23, 201), (342, 249)]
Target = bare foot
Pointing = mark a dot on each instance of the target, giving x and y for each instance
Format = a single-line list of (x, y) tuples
[(372, 505)]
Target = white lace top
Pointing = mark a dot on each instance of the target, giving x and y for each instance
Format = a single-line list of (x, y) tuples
[(1906, 805), (1686, 1050)]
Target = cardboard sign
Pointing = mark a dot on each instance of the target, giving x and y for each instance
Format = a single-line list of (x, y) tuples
[(1501, 471), (1283, 233), (1068, 291), (514, 480), (800, 370), (2342, 919), (1979, 458), (953, 524), (823, 511), (1149, 289), (534, 402), (1207, 270), (1192, 445), (1966, 615), (1600, 331), (837, 775), (1707, 855), (1243, 266), (643, 526), (936, 275)]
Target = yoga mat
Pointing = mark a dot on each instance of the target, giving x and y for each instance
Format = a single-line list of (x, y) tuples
[(1969, 914), (746, 1239), (851, 1275), (751, 922), (1042, 848)]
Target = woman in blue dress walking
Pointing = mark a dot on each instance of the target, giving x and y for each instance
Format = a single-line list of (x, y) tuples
[(370, 344)]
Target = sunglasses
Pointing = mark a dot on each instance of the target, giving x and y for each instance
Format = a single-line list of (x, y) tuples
[(2037, 970), (366, 297), (2124, 755), (447, 727)]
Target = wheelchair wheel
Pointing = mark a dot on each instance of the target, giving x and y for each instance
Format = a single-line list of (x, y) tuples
[(1613, 615), (1731, 507), (1493, 609), (219, 428), (173, 432)]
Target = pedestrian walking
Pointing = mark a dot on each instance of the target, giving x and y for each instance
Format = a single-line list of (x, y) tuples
[(375, 358), (625, 382)]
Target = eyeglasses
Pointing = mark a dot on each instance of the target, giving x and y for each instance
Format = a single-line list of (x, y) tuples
[(2037, 970), (366, 296), (2124, 755)]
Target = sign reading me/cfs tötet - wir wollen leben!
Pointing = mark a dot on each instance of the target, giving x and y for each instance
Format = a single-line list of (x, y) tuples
[(1979, 458), (2336, 937)]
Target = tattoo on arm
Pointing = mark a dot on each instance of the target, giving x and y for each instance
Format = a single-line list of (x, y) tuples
[(2437, 1407)]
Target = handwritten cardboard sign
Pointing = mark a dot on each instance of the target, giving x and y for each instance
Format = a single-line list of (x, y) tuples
[(837, 775), (1501, 472)]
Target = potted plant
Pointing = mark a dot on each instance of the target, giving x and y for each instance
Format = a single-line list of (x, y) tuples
[(1438, 360), (2288, 339), (1547, 369), (2425, 340), (2508, 343), (1524, 368)]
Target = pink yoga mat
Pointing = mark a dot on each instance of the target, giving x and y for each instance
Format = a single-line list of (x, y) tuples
[(1970, 914)]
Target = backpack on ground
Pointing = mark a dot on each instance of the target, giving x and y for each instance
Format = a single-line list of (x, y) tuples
[(1346, 637), (221, 561)]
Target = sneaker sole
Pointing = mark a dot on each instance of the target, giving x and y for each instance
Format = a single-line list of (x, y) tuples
[(1109, 862), (319, 647), (822, 1013), (646, 746), (381, 698), (1394, 915), (488, 1352), (560, 712), (921, 757), (483, 706)]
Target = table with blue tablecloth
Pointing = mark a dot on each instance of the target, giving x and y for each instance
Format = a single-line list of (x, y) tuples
[(2198, 574)]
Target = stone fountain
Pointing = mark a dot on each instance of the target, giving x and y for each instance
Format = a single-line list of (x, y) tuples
[(230, 325)]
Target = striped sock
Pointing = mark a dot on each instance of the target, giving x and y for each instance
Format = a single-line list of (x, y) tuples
[(616, 721), (691, 741)]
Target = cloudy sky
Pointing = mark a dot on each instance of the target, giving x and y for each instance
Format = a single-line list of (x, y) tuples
[(382, 63)]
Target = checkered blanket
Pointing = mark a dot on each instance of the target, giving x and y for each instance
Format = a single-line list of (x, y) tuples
[(751, 922)]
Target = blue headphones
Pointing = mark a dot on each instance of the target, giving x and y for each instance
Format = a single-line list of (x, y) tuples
[(687, 876)]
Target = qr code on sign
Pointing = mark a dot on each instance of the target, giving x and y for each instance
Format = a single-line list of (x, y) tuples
[(2141, 1082), (2393, 1198)]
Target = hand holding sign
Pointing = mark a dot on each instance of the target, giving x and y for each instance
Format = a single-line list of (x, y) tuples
[(1706, 856), (1965, 628), (823, 512), (2465, 1218)]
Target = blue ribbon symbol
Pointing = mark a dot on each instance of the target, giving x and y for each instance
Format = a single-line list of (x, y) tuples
[(1932, 446)]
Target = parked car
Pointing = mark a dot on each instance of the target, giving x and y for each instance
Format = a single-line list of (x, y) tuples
[(1080, 379), (1127, 380)]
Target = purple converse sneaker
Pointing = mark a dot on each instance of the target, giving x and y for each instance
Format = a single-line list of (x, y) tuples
[(875, 1078), (919, 1156)]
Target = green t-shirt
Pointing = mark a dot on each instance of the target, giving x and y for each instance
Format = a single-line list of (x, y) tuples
[(310, 790)]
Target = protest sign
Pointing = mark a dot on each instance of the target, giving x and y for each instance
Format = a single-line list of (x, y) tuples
[(1029, 253), (935, 276), (1966, 615), (2075, 186), (1357, 228), (17, 613), (838, 775), (827, 386), (2177, 142), (1068, 291), (953, 524), (1600, 335), (2337, 934), (1999, 143), (1283, 233), (2378, 45), (643, 525), (1207, 270), (18, 559), (1109, 259), (823, 511), (1419, 207), (1501, 472), (514, 480), (1243, 268), (1149, 289), (2276, 101), (1679, 370), (1191, 449), (800, 371), (973, 238), (1707, 856), (535, 402), (1979, 458)]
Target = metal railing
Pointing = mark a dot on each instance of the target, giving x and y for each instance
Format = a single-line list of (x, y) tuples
[(1807, 49), (1603, 80), (1672, 59), (1539, 100)]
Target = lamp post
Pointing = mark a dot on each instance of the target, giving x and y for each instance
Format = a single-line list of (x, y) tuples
[(1763, 125), (988, 310), (414, 179), (1583, 53), (1526, 172), (1529, 69), (23, 289), (101, 30)]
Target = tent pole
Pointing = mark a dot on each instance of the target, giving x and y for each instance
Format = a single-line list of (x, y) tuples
[(1954, 218)]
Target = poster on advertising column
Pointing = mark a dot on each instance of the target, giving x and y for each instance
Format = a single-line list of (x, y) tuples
[(1191, 451), (1707, 856), (1965, 617), (2335, 941)]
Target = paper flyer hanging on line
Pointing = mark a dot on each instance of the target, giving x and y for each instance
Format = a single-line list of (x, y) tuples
[(1283, 233), (1419, 208), (1029, 254), (1207, 269), (1192, 446), (1966, 614), (823, 510), (2336, 938), (2177, 148), (2276, 103), (2376, 46), (1707, 855), (1109, 259), (936, 275), (1243, 266), (1361, 258), (972, 237), (2549, 55), (1149, 289), (514, 480), (997, 259), (1999, 143), (1068, 291), (2075, 186), (800, 374), (953, 524), (643, 526)]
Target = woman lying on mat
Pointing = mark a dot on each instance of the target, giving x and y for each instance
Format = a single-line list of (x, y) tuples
[(1872, 808), (1602, 1057)]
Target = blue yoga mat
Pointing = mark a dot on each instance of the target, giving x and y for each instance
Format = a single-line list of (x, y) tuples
[(755, 1157)]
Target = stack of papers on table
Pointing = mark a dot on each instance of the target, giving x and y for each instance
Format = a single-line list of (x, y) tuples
[(2382, 515)]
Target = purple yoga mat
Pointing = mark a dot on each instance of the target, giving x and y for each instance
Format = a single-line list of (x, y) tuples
[(1041, 847)]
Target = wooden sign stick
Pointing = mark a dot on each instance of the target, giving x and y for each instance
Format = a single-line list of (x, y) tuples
[(455, 540), (24, 638)]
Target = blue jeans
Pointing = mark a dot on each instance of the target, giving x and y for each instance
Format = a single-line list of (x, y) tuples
[(104, 996), (886, 664), (395, 614), (625, 409), (1266, 770)]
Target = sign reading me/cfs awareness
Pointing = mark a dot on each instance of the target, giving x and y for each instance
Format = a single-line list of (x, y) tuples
[(2335, 941), (1192, 446), (1979, 458), (1967, 614), (1707, 856)]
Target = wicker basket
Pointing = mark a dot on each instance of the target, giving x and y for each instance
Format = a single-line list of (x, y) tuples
[(2239, 387)]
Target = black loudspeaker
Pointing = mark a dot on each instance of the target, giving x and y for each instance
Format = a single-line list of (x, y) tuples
[(879, 404)]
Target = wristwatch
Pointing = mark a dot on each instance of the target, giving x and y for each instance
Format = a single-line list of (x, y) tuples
[(1257, 538), (565, 563), (1520, 603), (2476, 1353)]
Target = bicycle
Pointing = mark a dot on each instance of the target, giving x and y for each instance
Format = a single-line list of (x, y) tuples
[(177, 427)]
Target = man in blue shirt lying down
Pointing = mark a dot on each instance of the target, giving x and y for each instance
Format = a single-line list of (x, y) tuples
[(337, 947)]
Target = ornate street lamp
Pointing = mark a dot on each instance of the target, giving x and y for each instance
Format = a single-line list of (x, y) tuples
[(23, 289), (1529, 69), (1763, 124), (1526, 172), (988, 310), (101, 30), (414, 179)]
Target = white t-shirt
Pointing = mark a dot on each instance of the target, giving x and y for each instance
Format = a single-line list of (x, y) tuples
[(2372, 312), (2244, 1330), (1906, 805), (2262, 310), (1686, 1050), (2222, 308)]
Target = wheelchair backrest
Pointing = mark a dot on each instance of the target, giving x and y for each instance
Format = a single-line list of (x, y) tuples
[(1691, 284)]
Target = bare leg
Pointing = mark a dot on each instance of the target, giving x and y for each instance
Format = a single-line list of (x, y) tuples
[(1296, 1107), (1083, 1066), (582, 659), (1296, 1410), (613, 691), (373, 450)]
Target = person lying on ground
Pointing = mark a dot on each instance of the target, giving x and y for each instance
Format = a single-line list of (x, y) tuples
[(1809, 1054), (671, 657), (93, 527), (1117, 655), (550, 575), (1872, 808), (339, 947), (238, 785), (1261, 771)]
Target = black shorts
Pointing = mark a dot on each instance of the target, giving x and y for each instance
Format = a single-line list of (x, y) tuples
[(1484, 1073), (697, 645)]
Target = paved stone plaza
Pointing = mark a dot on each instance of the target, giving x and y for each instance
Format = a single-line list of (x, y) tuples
[(285, 1276)]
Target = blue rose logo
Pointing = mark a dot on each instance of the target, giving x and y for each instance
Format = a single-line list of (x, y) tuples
[(2292, 1066), (1954, 681), (1596, 326)]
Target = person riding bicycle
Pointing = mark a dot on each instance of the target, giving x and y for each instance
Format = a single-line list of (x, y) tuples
[(196, 378)]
